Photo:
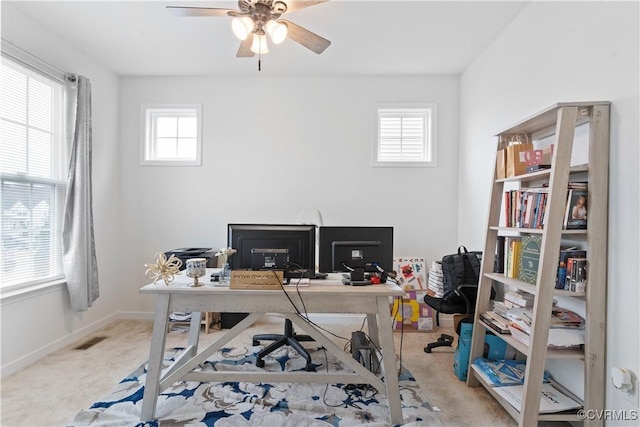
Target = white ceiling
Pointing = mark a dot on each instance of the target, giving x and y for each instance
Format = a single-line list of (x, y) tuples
[(368, 37)]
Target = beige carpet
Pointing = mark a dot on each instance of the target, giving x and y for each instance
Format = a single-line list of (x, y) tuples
[(53, 390)]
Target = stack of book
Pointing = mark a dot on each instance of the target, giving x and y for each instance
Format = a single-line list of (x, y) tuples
[(496, 322), (499, 318), (435, 283), (566, 327), (514, 299)]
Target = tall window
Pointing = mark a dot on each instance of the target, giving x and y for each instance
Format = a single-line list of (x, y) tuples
[(32, 176), (405, 136), (171, 135)]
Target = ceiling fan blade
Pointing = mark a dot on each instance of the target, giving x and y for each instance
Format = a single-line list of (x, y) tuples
[(306, 38), (244, 5), (199, 11), (293, 5), (244, 51)]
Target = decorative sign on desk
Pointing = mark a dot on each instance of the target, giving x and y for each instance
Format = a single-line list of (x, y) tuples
[(254, 279)]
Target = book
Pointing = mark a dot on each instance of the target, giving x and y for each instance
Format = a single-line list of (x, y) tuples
[(551, 399), (534, 168), (576, 211), (578, 280), (513, 256), (571, 270), (498, 266), (529, 259)]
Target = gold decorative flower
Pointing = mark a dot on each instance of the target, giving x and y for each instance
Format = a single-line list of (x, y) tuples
[(165, 268)]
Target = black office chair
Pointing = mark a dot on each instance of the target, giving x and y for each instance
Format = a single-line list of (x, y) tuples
[(461, 301), (289, 338)]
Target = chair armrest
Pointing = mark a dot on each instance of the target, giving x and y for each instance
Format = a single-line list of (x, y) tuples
[(464, 297)]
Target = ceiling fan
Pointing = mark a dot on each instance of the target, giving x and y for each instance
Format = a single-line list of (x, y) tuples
[(257, 18)]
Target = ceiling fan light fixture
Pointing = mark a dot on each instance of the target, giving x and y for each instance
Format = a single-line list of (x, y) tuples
[(259, 44), (242, 27), (277, 30)]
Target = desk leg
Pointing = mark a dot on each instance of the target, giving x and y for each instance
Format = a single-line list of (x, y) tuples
[(389, 360), (156, 355), (194, 331), (373, 329)]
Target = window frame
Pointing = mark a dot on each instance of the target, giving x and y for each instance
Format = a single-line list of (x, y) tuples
[(147, 131), (429, 143), (50, 76)]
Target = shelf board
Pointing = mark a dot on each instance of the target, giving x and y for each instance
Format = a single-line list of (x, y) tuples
[(549, 117), (522, 348), (531, 176), (534, 230), (528, 287), (558, 416), (552, 353)]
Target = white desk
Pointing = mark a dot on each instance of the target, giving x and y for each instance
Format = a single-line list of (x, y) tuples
[(321, 296)]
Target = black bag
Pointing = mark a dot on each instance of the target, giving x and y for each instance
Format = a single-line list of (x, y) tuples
[(461, 268)]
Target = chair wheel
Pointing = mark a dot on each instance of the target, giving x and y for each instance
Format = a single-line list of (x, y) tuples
[(311, 368), (255, 343), (427, 349), (260, 363)]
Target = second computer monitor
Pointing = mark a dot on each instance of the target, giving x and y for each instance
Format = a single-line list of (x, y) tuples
[(342, 249)]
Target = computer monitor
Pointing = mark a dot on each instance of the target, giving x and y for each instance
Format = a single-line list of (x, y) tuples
[(291, 248), (343, 249)]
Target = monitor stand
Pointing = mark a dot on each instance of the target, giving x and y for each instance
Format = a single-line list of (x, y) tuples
[(355, 278)]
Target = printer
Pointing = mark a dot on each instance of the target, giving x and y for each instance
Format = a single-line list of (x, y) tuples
[(183, 254)]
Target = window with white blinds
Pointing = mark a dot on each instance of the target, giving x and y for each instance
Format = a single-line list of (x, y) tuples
[(405, 136), (32, 176), (171, 135)]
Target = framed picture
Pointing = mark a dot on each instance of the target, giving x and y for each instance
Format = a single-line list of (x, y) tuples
[(411, 313), (411, 272)]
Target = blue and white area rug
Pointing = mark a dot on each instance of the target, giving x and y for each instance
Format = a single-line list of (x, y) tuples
[(233, 404)]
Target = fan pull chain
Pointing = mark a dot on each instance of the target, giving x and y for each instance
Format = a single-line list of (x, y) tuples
[(259, 61)]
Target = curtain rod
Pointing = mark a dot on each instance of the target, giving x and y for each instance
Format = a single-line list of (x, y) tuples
[(31, 61)]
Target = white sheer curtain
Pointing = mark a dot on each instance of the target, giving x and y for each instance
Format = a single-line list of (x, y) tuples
[(79, 254)]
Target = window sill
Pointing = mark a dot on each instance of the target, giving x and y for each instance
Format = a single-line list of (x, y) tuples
[(12, 296), (404, 164), (170, 163)]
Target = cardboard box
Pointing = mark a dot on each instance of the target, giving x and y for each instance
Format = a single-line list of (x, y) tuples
[(461, 355), (516, 159), (501, 164), (252, 279)]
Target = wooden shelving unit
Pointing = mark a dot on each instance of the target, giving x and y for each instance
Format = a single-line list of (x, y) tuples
[(207, 320), (558, 122)]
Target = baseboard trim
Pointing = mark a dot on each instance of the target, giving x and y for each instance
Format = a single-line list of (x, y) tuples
[(23, 362)]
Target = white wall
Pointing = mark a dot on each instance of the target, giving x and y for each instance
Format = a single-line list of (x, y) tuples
[(276, 146), (554, 52), (35, 324)]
